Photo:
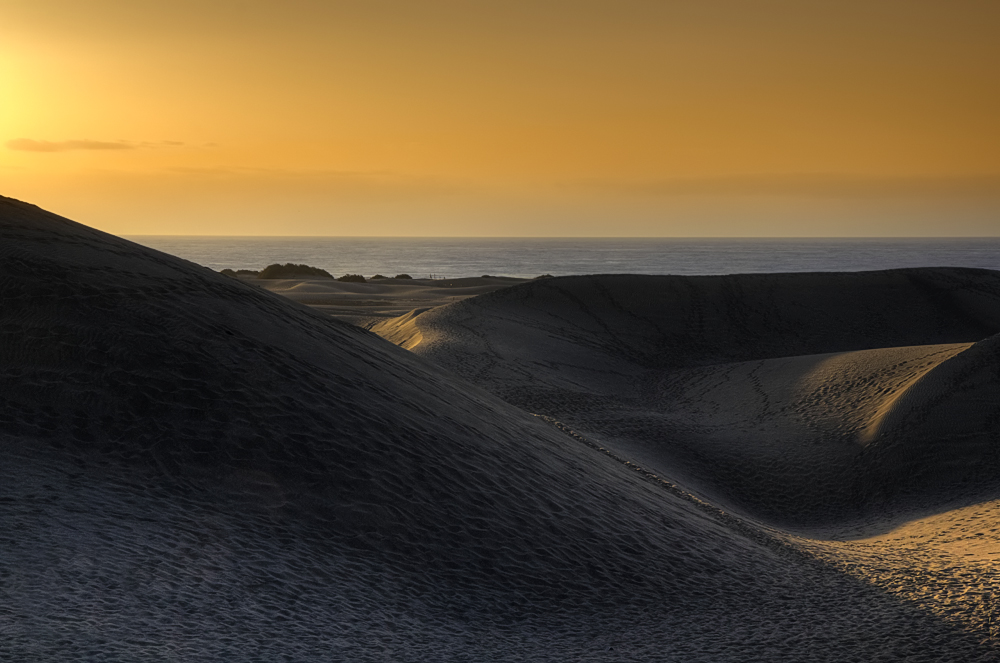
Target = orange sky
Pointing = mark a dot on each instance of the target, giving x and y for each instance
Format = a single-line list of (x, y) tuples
[(468, 117)]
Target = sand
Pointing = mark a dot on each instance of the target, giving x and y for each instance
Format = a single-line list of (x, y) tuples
[(368, 303), (198, 469), (854, 416)]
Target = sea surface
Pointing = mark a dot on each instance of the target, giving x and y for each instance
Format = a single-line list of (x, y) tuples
[(529, 257)]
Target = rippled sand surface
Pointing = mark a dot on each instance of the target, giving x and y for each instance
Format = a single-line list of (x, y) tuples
[(854, 416), (198, 469)]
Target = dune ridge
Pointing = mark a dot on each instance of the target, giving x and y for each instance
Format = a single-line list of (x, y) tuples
[(198, 469), (376, 300), (799, 398), (855, 416)]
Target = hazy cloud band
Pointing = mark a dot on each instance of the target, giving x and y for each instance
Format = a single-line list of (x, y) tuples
[(29, 145), (811, 185)]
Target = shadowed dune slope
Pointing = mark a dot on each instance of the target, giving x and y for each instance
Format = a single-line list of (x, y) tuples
[(674, 321), (196, 469), (802, 398)]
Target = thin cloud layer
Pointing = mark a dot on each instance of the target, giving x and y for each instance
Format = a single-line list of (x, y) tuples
[(30, 145), (380, 186), (807, 186)]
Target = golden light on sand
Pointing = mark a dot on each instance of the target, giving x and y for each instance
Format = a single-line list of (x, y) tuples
[(388, 118)]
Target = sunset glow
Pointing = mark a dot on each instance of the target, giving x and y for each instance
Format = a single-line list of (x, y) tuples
[(634, 118)]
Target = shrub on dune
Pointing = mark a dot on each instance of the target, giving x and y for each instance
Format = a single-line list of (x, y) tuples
[(352, 278), (293, 271), (402, 276)]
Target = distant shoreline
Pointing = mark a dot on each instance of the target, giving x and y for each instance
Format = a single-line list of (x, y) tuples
[(530, 257)]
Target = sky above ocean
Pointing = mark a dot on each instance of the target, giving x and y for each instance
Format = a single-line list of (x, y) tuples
[(641, 118)]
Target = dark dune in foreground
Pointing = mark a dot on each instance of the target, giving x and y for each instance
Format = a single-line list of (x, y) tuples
[(197, 469)]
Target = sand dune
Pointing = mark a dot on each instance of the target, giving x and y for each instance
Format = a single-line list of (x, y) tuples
[(198, 469), (371, 302), (667, 322), (800, 398), (835, 406)]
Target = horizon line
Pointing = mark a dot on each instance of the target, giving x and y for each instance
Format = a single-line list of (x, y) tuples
[(693, 237)]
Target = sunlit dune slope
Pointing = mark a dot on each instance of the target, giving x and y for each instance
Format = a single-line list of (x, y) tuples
[(196, 469), (801, 398), (361, 303)]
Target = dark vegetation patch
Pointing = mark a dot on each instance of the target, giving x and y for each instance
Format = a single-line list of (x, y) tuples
[(293, 271)]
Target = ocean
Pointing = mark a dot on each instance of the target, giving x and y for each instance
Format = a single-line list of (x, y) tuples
[(529, 257)]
